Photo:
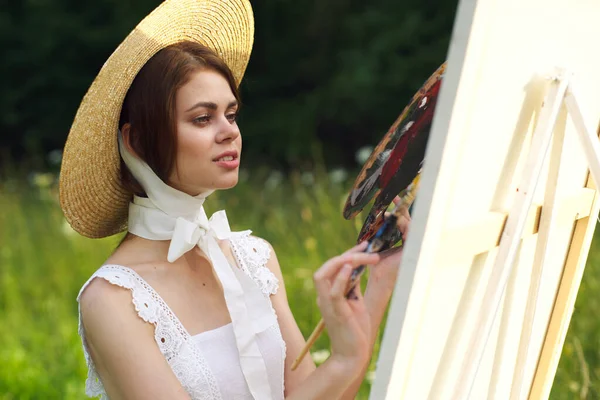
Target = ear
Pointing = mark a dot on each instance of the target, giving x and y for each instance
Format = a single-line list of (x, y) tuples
[(126, 134)]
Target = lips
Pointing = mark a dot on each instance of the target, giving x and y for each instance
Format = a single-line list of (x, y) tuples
[(228, 160), (227, 156)]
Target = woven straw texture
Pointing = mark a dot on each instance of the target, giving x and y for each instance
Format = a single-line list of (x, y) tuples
[(92, 198)]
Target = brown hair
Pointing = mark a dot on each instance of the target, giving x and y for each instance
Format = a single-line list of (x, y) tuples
[(149, 105)]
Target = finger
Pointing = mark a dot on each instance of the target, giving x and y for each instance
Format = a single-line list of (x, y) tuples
[(362, 246), (355, 293), (397, 200), (323, 276), (358, 259), (403, 224), (331, 267), (329, 301), (403, 221), (404, 212), (338, 289), (320, 277)]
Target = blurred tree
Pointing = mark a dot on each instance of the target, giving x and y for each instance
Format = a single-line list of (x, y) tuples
[(335, 73), (52, 49)]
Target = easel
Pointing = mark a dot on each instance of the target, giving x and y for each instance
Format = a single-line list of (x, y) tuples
[(561, 92)]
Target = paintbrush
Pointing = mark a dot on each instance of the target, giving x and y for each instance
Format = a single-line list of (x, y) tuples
[(380, 242)]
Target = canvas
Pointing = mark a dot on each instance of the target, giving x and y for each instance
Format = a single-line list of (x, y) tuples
[(499, 60)]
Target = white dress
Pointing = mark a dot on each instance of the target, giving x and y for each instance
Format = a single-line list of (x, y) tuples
[(207, 364)]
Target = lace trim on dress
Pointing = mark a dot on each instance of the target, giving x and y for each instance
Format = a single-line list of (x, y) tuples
[(189, 366), (182, 354), (252, 254)]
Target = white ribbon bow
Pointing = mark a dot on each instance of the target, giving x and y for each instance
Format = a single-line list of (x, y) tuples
[(188, 234), (168, 214)]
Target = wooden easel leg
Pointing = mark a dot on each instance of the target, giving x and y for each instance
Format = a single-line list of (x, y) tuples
[(510, 239), (544, 249), (575, 262), (589, 140)]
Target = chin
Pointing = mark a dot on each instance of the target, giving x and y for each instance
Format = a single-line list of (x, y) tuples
[(230, 186), (227, 183)]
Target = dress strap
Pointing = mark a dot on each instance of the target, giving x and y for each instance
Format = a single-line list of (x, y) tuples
[(150, 307), (169, 333), (252, 255)]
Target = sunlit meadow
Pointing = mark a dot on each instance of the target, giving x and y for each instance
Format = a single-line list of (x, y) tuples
[(43, 264)]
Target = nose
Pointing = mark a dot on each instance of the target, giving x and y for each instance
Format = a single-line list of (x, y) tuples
[(227, 131)]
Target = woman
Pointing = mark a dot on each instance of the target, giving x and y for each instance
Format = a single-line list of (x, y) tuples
[(184, 308)]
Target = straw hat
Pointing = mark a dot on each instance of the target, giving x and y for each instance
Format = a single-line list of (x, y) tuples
[(91, 195)]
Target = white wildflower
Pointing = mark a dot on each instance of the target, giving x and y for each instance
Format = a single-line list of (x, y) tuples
[(274, 179), (370, 376), (54, 157), (320, 356), (363, 154), (307, 178), (338, 175), (41, 180)]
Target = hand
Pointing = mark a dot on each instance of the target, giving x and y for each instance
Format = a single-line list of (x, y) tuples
[(347, 320), (385, 273)]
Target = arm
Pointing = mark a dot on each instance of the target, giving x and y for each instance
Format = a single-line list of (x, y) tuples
[(379, 291), (336, 375), (376, 302), (123, 348)]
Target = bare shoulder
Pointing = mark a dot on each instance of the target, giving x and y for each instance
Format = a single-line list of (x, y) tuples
[(103, 303), (122, 345), (101, 293), (106, 301)]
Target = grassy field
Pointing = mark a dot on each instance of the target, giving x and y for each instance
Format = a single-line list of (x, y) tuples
[(43, 264)]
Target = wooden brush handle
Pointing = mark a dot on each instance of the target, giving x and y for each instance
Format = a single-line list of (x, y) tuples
[(407, 200), (320, 328), (309, 343)]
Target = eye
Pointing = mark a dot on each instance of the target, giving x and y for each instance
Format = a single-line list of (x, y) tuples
[(202, 120), (232, 117)]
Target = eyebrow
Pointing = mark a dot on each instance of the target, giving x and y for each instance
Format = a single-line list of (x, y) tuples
[(211, 105)]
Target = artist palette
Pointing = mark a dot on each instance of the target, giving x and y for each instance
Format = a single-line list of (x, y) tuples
[(397, 160)]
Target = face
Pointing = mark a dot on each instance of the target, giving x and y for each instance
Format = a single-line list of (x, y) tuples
[(209, 143)]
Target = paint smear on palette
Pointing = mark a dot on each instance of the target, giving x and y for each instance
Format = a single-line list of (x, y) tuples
[(396, 160), (376, 218)]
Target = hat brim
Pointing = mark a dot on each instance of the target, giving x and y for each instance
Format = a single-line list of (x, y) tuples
[(92, 197)]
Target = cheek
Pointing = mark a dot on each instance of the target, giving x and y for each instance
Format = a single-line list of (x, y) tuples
[(193, 145)]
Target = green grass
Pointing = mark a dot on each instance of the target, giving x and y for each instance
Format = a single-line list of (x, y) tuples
[(43, 264)]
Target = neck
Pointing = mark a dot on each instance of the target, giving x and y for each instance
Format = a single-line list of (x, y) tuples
[(144, 251)]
